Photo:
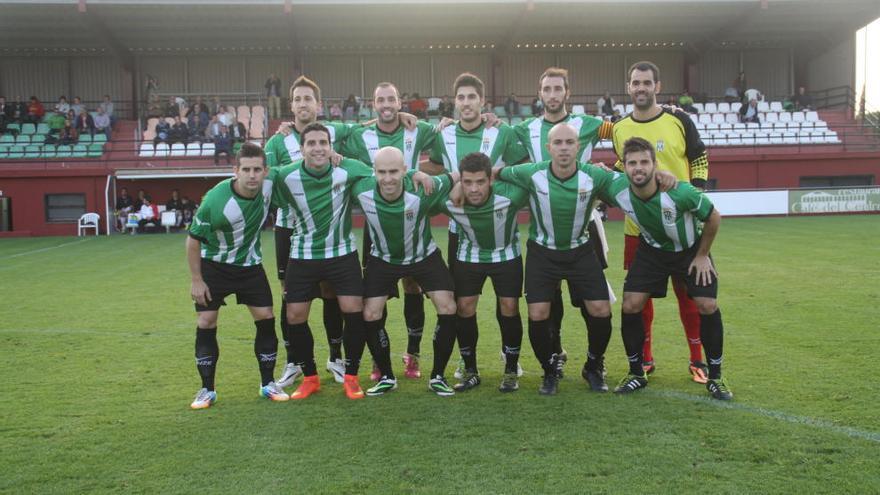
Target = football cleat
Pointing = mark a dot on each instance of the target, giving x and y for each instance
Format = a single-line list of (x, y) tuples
[(631, 383), (274, 392), (204, 399), (337, 369), (352, 387), (291, 373), (411, 366), (468, 381), (561, 359), (310, 385), (550, 385), (509, 383), (383, 386), (439, 386), (699, 371), (595, 377), (459, 370), (519, 369), (719, 389)]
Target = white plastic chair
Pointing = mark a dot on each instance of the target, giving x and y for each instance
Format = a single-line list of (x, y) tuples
[(706, 118), (731, 118), (776, 106), (699, 107), (577, 109), (193, 149), (87, 221), (711, 107), (178, 149), (169, 219), (812, 117), (725, 127), (798, 117), (161, 149), (735, 107), (734, 139), (771, 117), (718, 118), (775, 137), (146, 150), (763, 106), (724, 107), (789, 138), (208, 149), (785, 116)]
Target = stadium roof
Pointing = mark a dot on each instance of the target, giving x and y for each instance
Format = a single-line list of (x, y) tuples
[(134, 26)]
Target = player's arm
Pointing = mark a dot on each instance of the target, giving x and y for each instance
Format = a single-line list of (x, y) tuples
[(434, 164), (514, 151), (198, 289), (520, 175), (695, 151), (702, 264)]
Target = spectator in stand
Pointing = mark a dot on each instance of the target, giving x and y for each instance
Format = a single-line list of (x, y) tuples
[(672, 101), (616, 116), (335, 112), (223, 145), (511, 106), (224, 116), (537, 107), (85, 123), (140, 199), (350, 107), (273, 96), (62, 107), (68, 133), (151, 85), (175, 205), (802, 100), (187, 208), (148, 213), (77, 106), (605, 105), (154, 107), (198, 109), (196, 129), (35, 111), (447, 108), (102, 122), (107, 107), (179, 131), (21, 109), (215, 106), (7, 113), (163, 132), (124, 206), (686, 102), (418, 106), (753, 94), (238, 132), (172, 109), (749, 113), (404, 103)]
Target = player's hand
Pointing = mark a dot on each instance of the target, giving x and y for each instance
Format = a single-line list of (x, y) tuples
[(335, 158), (200, 292), (603, 166), (425, 181), (702, 265), (444, 123), (408, 120), (665, 180), (671, 108), (495, 172), (285, 128), (490, 119), (456, 196)]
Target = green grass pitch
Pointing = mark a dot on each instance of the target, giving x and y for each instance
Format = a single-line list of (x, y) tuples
[(97, 375)]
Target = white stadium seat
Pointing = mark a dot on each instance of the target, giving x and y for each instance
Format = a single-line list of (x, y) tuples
[(193, 149), (161, 149), (753, 126), (146, 150), (798, 117), (776, 106), (740, 128), (775, 137), (710, 128), (705, 118), (817, 137), (711, 107), (763, 106), (785, 116), (789, 138), (831, 137), (731, 118), (734, 139), (208, 149), (724, 107), (806, 125), (762, 139), (771, 117), (812, 117), (718, 118), (699, 107), (735, 106), (578, 109), (725, 127), (178, 149)]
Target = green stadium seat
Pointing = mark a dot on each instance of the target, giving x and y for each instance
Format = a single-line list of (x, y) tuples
[(14, 127), (525, 111), (100, 138), (7, 139), (64, 151), (16, 152), (85, 138), (80, 151), (48, 151), (96, 150), (4, 151), (28, 129), (33, 151), (515, 120), (23, 139), (42, 128), (38, 139), (500, 111)]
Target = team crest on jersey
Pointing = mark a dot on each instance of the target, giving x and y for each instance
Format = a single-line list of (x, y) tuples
[(668, 215), (337, 189), (485, 146), (408, 144), (499, 214), (410, 215), (660, 145), (582, 195)]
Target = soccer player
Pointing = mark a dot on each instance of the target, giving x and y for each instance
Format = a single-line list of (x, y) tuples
[(224, 256), (363, 144), (561, 194), (554, 93), (675, 242), (679, 150), (488, 246), (398, 219), (471, 135)]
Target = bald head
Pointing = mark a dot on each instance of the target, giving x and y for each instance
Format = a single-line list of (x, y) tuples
[(389, 156), (562, 143), (389, 168)]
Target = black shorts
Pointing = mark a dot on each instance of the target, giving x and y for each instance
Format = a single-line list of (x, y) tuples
[(545, 268), (304, 276), (652, 267), (452, 250), (380, 277), (282, 249), (507, 278), (248, 283)]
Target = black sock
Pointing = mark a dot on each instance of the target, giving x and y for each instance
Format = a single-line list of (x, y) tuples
[(511, 340), (333, 325), (712, 335), (285, 331), (377, 341), (632, 329), (539, 336), (353, 339), (444, 340), (207, 354), (303, 344), (557, 312), (598, 336), (414, 314), (266, 348), (467, 342)]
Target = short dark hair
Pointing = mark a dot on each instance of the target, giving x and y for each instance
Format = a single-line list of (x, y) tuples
[(250, 150), (475, 162), (314, 126), (644, 65), (554, 72), (468, 79), (637, 144), (305, 82)]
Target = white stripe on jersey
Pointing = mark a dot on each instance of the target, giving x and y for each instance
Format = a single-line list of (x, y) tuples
[(582, 213), (371, 141), (666, 203), (542, 192), (300, 240), (338, 196), (235, 217), (368, 205), (623, 199), (450, 144), (490, 135), (501, 203), (411, 204), (536, 152), (291, 142), (409, 148)]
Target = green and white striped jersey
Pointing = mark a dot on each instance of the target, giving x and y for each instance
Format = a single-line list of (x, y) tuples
[(560, 209), (532, 133), (320, 207), (228, 225), (401, 229), (671, 221), (500, 144), (489, 233), (283, 150), (364, 142)]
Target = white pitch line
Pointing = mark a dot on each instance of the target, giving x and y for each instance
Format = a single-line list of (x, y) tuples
[(35, 251), (768, 413)]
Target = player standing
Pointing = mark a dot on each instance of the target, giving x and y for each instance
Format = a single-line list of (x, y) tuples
[(224, 256)]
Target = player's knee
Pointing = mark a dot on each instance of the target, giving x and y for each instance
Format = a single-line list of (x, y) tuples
[(446, 306), (706, 305), (207, 319), (632, 304), (372, 314), (599, 309), (539, 313), (509, 306), (262, 313), (295, 316), (351, 304)]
